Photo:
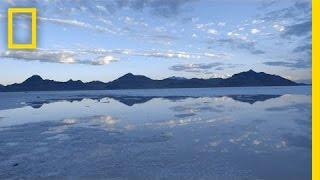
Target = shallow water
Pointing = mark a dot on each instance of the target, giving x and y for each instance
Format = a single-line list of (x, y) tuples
[(230, 133)]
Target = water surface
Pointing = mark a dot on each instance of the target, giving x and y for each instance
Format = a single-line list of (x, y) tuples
[(224, 133)]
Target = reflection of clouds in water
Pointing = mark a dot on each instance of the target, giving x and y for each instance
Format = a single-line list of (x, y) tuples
[(93, 121), (249, 137), (236, 121), (215, 143), (240, 139), (184, 115), (103, 122), (281, 144), (300, 107), (253, 133), (108, 120), (201, 135), (197, 108), (69, 121), (186, 121), (256, 142), (59, 137)]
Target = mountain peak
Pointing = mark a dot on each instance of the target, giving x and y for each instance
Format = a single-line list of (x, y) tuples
[(128, 75), (177, 78), (71, 80), (34, 78), (250, 71), (246, 73)]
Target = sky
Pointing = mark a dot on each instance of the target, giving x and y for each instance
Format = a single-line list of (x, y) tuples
[(103, 40)]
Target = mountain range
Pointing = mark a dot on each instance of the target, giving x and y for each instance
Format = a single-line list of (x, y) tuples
[(131, 81)]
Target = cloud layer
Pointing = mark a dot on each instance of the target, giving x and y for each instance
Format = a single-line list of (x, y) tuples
[(58, 56), (100, 56), (204, 68)]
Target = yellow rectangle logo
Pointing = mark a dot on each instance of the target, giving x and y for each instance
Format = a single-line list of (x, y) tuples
[(11, 13)]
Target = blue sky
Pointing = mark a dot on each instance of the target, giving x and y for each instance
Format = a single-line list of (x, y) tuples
[(102, 40)]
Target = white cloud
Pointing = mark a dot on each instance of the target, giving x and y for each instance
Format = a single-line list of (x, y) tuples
[(104, 60), (77, 23), (158, 54), (212, 31), (133, 21), (100, 56), (255, 31), (58, 56), (102, 8), (237, 35), (222, 24), (258, 21), (65, 57), (278, 27)]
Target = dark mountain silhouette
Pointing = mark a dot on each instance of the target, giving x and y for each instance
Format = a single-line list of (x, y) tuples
[(36, 83), (252, 78), (249, 78), (177, 78), (130, 81)]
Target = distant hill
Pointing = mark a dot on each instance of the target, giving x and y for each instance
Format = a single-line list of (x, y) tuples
[(248, 78), (36, 83), (130, 81), (252, 78)]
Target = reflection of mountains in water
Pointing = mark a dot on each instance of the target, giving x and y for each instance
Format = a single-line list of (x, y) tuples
[(132, 100), (251, 99)]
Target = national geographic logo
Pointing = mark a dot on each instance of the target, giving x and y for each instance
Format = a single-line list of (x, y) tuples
[(15, 11)]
